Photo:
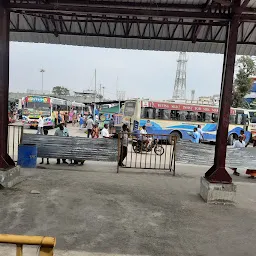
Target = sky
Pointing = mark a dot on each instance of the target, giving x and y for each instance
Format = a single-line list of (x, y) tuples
[(143, 74)]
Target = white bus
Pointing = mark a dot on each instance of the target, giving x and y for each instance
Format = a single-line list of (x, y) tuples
[(34, 106), (180, 119)]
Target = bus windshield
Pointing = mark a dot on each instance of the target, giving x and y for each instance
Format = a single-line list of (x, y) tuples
[(253, 117), (33, 112), (253, 120), (37, 105), (129, 108)]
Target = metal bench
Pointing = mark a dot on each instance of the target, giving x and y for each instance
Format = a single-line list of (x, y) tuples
[(203, 154), (75, 148)]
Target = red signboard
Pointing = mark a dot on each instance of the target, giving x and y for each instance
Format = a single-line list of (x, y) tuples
[(183, 107)]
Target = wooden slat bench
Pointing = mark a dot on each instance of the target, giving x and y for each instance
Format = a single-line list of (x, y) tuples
[(75, 148), (203, 154)]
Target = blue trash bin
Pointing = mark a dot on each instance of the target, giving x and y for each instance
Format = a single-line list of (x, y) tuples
[(27, 155)]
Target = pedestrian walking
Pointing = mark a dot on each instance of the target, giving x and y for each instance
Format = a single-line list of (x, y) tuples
[(111, 125), (195, 136), (74, 119), (124, 144), (240, 143), (40, 126), (45, 133), (66, 119), (59, 118), (62, 132), (81, 122), (89, 126), (95, 131), (199, 129), (56, 118)]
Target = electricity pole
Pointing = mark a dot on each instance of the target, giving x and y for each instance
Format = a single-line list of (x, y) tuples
[(95, 92)]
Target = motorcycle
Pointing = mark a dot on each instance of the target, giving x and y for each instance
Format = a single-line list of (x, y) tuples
[(139, 146)]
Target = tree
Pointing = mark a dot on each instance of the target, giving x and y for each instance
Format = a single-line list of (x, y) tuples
[(243, 81), (60, 91)]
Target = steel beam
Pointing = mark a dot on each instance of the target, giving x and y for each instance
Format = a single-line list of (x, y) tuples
[(52, 8), (128, 4), (4, 82), (217, 173), (111, 3)]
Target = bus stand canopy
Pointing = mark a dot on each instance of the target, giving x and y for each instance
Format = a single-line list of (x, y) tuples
[(210, 26)]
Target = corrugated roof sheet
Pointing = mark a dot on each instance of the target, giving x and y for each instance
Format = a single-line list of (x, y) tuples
[(119, 40)]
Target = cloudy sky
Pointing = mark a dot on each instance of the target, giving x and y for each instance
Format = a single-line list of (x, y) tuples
[(148, 74)]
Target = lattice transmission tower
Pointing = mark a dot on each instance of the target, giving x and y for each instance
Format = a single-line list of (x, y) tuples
[(179, 91)]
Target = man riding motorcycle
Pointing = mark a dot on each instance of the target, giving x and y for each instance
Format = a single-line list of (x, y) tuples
[(144, 137)]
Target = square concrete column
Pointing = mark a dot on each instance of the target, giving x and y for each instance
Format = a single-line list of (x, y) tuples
[(4, 82), (217, 174)]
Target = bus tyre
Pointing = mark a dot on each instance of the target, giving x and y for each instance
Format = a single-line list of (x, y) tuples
[(231, 140), (176, 134)]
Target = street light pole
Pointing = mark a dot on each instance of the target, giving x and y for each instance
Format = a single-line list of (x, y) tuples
[(42, 72), (103, 88), (95, 92)]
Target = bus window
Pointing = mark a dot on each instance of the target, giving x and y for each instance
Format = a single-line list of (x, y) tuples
[(239, 117), (201, 117), (188, 116), (253, 119), (193, 116), (142, 113), (129, 108), (232, 119), (158, 113), (147, 113), (174, 115), (166, 114), (182, 115), (208, 118)]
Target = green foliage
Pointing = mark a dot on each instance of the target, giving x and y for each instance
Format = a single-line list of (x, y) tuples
[(243, 81), (60, 91)]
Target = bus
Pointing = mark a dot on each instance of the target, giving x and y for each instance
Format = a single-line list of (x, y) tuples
[(35, 106), (79, 107), (180, 119)]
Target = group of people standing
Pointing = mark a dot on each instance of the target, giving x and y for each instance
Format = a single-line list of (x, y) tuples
[(91, 126), (197, 135)]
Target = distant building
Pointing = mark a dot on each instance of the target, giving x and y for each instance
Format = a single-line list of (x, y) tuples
[(210, 100), (38, 92)]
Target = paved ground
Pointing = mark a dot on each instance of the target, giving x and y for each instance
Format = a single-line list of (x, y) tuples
[(94, 211)]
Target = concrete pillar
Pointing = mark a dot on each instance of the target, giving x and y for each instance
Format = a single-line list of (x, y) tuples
[(4, 82), (217, 173)]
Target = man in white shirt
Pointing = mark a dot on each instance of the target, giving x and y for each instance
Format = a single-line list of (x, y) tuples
[(40, 128), (199, 130), (105, 132), (143, 130), (238, 144), (144, 137)]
